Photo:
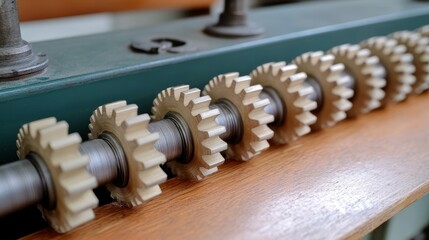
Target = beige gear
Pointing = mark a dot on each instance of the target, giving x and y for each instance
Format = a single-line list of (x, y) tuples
[(398, 65), (245, 98), (130, 130), (289, 86), (418, 46), (202, 125), (335, 94), (424, 30), (73, 185), (368, 75)]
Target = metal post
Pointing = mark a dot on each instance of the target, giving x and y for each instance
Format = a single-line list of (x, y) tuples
[(16, 56), (233, 22)]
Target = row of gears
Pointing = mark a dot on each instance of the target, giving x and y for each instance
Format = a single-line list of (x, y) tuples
[(191, 132)]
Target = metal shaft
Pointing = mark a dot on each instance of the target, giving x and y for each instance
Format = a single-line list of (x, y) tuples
[(102, 160), (230, 118), (276, 107), (234, 13), (20, 186), (10, 32), (170, 139)]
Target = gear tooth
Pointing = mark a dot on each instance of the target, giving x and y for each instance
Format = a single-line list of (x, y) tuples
[(306, 118), (74, 184), (240, 83), (213, 160), (305, 104), (136, 125), (199, 105), (295, 81), (149, 194), (251, 94), (343, 104), (338, 116), (228, 79), (214, 145), (123, 112), (108, 108), (326, 62), (302, 130), (261, 117), (49, 133), (33, 127), (258, 147), (288, 71), (275, 67), (152, 177), (189, 95), (263, 132), (336, 69), (205, 172), (85, 202)]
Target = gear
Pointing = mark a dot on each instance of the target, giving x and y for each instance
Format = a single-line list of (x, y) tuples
[(245, 98), (73, 185), (398, 66), (202, 125), (424, 30), (418, 46), (130, 130), (289, 86), (368, 75), (335, 94)]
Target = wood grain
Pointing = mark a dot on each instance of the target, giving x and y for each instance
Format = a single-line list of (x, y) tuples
[(42, 9), (342, 182)]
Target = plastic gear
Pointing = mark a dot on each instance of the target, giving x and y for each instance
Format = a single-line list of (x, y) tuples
[(398, 66), (202, 125), (130, 130), (335, 94), (73, 185), (245, 98), (288, 84), (368, 75), (418, 46)]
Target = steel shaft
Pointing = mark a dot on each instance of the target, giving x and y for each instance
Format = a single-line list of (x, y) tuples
[(10, 33), (20, 186)]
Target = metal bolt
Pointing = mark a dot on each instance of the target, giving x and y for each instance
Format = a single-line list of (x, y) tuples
[(233, 22), (16, 56)]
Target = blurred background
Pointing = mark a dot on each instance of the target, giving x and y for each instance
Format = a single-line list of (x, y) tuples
[(52, 19)]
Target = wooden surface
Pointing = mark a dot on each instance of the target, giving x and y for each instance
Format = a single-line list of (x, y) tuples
[(42, 9), (342, 182)]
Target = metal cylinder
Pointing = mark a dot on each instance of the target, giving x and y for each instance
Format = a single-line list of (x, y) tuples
[(170, 140), (20, 186), (17, 59), (234, 13), (102, 160), (317, 93), (230, 118), (276, 107), (10, 32)]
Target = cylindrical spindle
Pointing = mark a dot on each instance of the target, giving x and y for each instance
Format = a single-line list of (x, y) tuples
[(10, 33), (20, 186)]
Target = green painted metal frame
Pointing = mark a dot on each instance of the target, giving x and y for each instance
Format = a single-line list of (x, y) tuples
[(89, 71)]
